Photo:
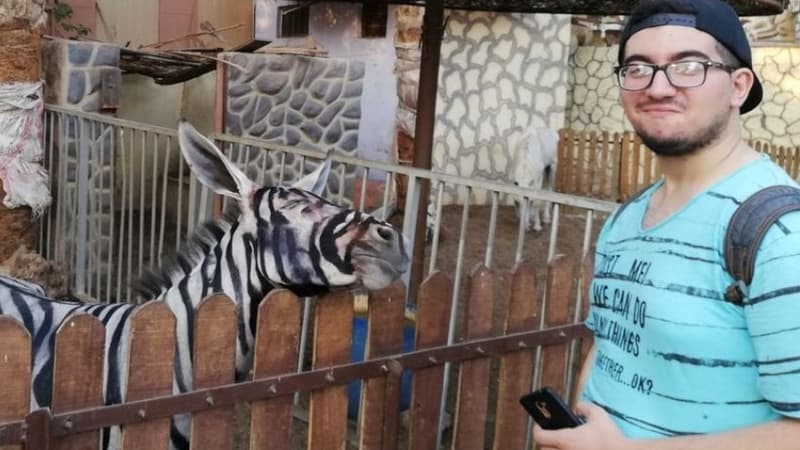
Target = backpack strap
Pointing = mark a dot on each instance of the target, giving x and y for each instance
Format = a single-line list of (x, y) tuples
[(747, 228)]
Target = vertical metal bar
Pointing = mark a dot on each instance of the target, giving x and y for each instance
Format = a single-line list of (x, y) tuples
[(179, 226), (409, 224), (304, 326), (522, 228), (123, 212), (437, 220), (112, 212), (164, 195), (192, 219), (551, 250), (451, 328), (364, 189), (153, 201), (282, 170), (140, 234), (262, 173), (63, 204), (342, 181), (82, 199), (386, 191), (131, 232), (587, 233), (576, 314), (492, 230)]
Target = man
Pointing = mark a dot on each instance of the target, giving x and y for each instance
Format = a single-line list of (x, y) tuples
[(675, 366)]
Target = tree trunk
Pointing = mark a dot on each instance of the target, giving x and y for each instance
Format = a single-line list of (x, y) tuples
[(20, 61)]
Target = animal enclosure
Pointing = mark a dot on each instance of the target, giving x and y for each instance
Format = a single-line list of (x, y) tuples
[(614, 166), (532, 323)]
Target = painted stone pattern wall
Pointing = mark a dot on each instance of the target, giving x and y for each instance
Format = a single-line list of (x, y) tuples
[(308, 102), (594, 99), (84, 76), (499, 73)]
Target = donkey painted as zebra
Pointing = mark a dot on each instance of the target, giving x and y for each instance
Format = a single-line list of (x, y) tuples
[(280, 237)]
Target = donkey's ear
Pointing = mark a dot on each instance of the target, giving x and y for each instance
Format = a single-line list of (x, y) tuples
[(210, 166), (317, 180)]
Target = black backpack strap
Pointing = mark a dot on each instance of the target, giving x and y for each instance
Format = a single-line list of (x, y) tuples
[(746, 229)]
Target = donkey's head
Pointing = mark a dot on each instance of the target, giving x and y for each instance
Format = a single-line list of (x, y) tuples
[(301, 240)]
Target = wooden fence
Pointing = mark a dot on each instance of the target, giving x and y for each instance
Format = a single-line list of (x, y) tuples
[(75, 418), (614, 166)]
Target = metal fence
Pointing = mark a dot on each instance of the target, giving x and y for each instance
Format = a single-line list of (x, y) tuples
[(124, 199)]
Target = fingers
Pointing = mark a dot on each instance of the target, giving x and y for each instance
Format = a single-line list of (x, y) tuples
[(586, 409), (546, 438)]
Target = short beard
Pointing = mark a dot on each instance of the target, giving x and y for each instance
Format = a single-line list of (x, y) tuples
[(684, 146)]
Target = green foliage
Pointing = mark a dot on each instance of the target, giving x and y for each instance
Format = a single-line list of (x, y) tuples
[(61, 14)]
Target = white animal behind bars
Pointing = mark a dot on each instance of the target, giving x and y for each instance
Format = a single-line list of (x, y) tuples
[(534, 166)]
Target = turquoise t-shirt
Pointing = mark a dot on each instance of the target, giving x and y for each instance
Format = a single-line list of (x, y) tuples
[(672, 357)]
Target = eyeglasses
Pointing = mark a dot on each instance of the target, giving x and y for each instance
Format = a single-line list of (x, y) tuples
[(682, 74)]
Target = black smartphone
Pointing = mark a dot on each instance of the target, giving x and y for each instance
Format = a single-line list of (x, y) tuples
[(549, 410)]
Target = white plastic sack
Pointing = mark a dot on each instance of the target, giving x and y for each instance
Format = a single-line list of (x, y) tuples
[(24, 180)]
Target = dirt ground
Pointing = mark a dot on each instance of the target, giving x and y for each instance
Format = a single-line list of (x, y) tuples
[(569, 240)]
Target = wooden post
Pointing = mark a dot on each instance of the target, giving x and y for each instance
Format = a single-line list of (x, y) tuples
[(20, 61)]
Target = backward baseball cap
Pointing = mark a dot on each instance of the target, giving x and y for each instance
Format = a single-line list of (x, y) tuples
[(713, 17)]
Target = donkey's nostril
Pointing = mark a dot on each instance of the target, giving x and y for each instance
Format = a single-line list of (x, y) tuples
[(385, 233)]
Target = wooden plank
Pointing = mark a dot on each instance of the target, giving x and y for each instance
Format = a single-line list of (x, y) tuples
[(213, 364), (647, 167), (616, 167), (560, 275), (380, 399), (592, 171), (606, 175), (78, 374), (150, 371), (473, 378), (564, 140), (580, 162), (333, 331), (15, 371), (516, 369), (627, 168), (636, 182), (433, 317), (277, 344)]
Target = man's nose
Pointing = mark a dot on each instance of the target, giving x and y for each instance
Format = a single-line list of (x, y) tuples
[(661, 87)]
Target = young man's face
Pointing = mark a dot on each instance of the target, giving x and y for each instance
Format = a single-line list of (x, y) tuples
[(677, 121)]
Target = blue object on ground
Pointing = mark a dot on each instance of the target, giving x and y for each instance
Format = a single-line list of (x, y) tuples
[(357, 354)]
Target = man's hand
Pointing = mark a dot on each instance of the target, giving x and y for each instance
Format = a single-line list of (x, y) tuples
[(598, 433)]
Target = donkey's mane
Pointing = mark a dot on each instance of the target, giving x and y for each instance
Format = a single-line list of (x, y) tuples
[(154, 282)]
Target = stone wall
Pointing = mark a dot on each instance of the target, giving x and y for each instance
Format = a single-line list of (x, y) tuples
[(312, 103), (499, 73), (594, 98)]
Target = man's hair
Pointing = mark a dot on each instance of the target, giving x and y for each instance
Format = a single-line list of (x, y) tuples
[(727, 57)]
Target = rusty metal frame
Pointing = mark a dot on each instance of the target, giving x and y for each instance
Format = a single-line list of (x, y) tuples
[(40, 426)]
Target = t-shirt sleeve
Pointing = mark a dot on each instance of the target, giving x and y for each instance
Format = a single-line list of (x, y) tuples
[(772, 311)]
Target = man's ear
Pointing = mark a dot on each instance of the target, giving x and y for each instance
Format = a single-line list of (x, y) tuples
[(743, 80)]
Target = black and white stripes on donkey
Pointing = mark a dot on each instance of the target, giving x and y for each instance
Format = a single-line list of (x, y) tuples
[(279, 237)]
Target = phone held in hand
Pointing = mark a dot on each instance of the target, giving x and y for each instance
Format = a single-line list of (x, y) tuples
[(549, 410)]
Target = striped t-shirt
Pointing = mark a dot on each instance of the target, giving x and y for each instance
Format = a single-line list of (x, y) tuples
[(672, 357)]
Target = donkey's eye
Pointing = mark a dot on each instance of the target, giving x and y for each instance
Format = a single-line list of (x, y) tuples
[(291, 204)]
